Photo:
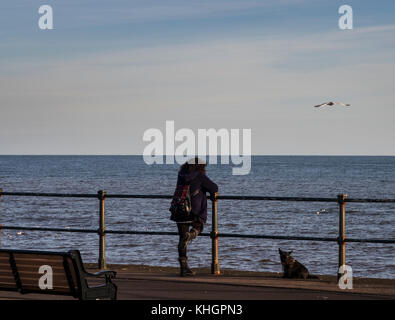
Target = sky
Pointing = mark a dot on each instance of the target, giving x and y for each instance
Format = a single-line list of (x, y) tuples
[(110, 70)]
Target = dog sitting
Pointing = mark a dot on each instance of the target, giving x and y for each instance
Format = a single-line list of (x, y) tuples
[(292, 268)]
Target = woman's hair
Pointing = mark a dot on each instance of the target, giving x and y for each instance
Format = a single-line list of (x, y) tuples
[(194, 164)]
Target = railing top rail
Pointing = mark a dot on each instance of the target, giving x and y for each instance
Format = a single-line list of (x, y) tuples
[(370, 200), (45, 194), (162, 196)]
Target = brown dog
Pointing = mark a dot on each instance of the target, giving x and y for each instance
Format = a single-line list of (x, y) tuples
[(292, 268)]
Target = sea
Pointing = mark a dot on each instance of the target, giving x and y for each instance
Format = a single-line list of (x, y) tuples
[(290, 176)]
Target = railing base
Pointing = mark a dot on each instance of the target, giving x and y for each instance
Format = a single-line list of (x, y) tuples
[(215, 269)]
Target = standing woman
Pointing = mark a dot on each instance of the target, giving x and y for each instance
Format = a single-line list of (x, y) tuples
[(193, 173)]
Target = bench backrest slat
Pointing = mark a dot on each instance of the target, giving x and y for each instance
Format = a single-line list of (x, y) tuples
[(29, 266), (20, 270), (7, 279), (33, 271)]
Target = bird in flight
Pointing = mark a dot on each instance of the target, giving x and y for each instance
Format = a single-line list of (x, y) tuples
[(332, 104)]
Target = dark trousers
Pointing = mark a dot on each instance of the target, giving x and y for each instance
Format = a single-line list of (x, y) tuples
[(183, 228)]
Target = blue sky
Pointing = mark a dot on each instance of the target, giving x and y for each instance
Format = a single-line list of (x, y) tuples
[(97, 25), (117, 68)]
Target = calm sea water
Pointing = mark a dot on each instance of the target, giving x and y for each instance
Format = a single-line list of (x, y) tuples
[(313, 176)]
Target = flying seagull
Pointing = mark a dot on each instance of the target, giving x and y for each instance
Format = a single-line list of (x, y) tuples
[(332, 104)]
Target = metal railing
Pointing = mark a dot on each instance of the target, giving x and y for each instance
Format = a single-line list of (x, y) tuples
[(341, 240)]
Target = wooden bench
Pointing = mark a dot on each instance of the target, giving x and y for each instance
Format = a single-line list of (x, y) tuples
[(59, 273)]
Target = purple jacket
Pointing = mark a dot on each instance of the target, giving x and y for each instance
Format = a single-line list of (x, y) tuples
[(198, 180)]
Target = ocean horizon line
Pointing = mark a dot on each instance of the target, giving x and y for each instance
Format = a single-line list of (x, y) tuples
[(164, 155)]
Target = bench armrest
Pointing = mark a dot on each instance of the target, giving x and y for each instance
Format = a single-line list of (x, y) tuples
[(107, 273)]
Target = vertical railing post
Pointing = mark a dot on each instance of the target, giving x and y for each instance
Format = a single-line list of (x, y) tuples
[(341, 200), (214, 237), (102, 230)]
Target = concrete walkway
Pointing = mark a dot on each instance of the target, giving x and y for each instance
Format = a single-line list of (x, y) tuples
[(162, 283)]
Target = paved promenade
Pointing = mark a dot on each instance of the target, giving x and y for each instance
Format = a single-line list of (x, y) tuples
[(162, 283)]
